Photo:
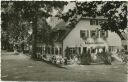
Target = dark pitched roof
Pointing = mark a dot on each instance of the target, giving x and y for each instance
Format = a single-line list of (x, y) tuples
[(64, 35), (63, 30)]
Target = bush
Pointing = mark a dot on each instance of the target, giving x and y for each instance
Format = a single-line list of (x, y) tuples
[(86, 59), (107, 57)]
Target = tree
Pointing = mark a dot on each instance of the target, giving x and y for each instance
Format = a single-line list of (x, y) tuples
[(12, 24), (30, 11), (114, 11), (44, 33), (116, 14)]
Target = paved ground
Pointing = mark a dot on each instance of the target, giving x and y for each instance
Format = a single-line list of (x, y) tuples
[(22, 68)]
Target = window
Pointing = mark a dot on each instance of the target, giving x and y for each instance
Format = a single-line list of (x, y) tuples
[(72, 50), (96, 21), (60, 52), (86, 33), (93, 34), (125, 47), (104, 34), (56, 51), (93, 50), (82, 33), (100, 22), (84, 50), (93, 22)]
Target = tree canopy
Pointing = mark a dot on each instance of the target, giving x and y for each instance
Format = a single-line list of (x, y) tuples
[(114, 11), (18, 16), (17, 13)]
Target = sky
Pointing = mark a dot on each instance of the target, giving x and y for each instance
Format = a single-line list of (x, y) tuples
[(70, 5), (53, 21)]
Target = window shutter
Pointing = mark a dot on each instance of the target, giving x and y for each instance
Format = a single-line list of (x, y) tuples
[(106, 34), (73, 50), (97, 33), (56, 51), (87, 33), (91, 22), (97, 22)]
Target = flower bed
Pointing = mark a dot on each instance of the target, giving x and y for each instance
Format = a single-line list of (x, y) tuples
[(54, 59)]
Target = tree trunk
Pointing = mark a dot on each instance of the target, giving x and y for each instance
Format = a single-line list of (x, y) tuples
[(34, 42)]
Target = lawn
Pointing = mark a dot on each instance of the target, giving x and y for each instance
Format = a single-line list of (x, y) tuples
[(22, 68)]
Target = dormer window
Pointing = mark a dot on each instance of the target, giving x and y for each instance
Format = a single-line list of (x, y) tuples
[(96, 21), (93, 22)]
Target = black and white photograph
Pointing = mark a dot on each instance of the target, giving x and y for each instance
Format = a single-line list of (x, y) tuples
[(64, 41)]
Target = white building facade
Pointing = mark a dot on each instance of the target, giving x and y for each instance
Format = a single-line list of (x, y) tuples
[(87, 35)]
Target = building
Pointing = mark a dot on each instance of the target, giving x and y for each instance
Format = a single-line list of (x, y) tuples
[(85, 36), (125, 40)]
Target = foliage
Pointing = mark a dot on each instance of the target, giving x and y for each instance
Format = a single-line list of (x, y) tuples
[(15, 13), (43, 33), (114, 11), (13, 24)]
